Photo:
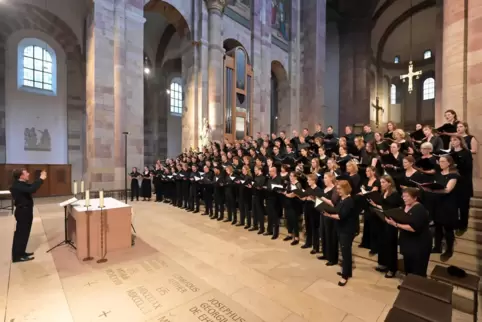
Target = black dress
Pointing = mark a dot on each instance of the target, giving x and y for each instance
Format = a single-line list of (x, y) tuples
[(146, 189), (446, 213), (330, 240), (415, 246), (372, 225), (346, 228), (388, 255), (134, 185), (465, 185)]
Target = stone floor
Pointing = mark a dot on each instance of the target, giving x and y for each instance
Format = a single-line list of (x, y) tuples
[(184, 267)]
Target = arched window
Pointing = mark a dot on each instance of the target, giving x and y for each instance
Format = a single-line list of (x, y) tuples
[(396, 60), (429, 89), (175, 91), (393, 94), (427, 54), (37, 67)]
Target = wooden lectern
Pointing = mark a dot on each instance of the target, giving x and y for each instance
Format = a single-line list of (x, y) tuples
[(94, 237)]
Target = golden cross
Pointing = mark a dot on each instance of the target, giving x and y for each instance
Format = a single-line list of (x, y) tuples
[(411, 74), (377, 108)]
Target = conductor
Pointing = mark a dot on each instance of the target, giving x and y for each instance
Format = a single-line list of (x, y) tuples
[(22, 195)]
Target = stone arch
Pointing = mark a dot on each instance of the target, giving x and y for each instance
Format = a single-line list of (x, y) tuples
[(280, 98), (230, 44), (177, 12), (20, 16)]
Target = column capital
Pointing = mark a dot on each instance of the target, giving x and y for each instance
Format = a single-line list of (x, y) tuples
[(216, 5)]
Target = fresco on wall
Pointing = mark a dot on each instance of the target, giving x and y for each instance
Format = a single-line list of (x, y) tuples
[(241, 7), (37, 140), (280, 18)]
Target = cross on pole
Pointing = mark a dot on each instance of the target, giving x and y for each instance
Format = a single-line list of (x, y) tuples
[(411, 74), (377, 108)]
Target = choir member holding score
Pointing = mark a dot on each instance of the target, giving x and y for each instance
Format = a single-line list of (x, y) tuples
[(372, 226), (329, 196), (293, 209), (312, 216), (146, 188), (346, 226), (134, 175)]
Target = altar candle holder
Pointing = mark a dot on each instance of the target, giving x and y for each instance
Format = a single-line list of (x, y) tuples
[(103, 232)]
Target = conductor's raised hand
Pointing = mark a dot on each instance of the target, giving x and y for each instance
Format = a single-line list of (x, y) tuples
[(43, 175)]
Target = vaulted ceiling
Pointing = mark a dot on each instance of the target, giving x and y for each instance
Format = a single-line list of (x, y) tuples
[(405, 28)]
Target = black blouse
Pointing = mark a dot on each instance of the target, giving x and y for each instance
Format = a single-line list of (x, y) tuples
[(347, 211), (421, 239)]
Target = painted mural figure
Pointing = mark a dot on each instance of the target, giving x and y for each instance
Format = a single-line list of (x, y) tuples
[(279, 20), (32, 141), (44, 143)]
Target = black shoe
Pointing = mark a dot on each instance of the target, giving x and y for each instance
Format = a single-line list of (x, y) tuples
[(253, 229), (274, 237), (268, 233), (247, 227), (239, 225), (260, 232), (28, 254), (381, 269), (226, 220), (322, 257), (314, 251), (220, 218), (22, 259), (196, 212), (287, 238), (343, 283), (295, 242), (306, 246), (330, 264)]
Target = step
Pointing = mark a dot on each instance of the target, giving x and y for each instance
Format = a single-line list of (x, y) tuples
[(476, 202)]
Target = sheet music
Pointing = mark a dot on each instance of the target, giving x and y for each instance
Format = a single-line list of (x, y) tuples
[(276, 186), (318, 175), (201, 173), (293, 187), (364, 191), (181, 175), (242, 181), (68, 202), (197, 178), (232, 178), (170, 177), (216, 178), (318, 202)]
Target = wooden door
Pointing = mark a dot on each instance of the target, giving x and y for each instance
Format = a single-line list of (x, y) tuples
[(6, 174), (35, 170), (60, 179)]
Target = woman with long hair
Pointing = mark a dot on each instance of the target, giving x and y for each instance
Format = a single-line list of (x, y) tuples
[(390, 128), (293, 209), (449, 128), (372, 225), (463, 158), (446, 214), (312, 216), (146, 186), (388, 255), (470, 140), (330, 244)]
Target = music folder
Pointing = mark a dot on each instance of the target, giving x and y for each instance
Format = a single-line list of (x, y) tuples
[(430, 185), (324, 207), (68, 202), (374, 196), (398, 215), (379, 212)]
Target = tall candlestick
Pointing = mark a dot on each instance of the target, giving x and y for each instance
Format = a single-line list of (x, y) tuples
[(101, 199), (81, 186), (87, 198), (75, 187)]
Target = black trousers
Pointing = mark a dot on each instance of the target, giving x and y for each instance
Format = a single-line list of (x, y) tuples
[(24, 218), (275, 212), (442, 231), (178, 201), (245, 202), (388, 255), (331, 240), (185, 193), (416, 262), (346, 243), (293, 220), (258, 212), (376, 232), (219, 204), (134, 189), (208, 200), (464, 206), (367, 229), (231, 206), (194, 199), (312, 222), (158, 189)]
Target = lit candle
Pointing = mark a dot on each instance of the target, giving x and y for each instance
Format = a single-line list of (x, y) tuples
[(81, 186), (101, 199), (75, 187), (87, 198)]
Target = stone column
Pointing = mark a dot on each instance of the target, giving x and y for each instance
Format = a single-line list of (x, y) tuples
[(261, 61), (355, 58), (294, 73), (453, 78), (474, 83), (190, 132), (114, 89), (313, 25), (439, 63), (215, 67)]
